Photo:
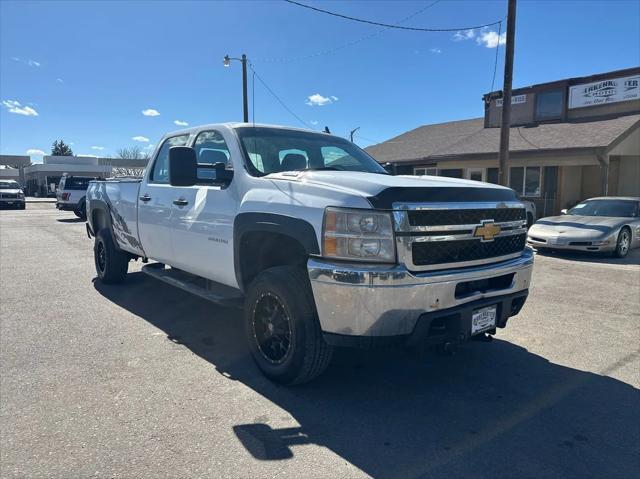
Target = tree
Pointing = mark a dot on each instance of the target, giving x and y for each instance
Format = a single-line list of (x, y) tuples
[(60, 148), (133, 153)]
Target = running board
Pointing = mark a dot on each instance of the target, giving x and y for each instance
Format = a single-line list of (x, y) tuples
[(206, 289)]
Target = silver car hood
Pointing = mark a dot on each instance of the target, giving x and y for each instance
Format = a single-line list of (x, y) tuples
[(11, 191)]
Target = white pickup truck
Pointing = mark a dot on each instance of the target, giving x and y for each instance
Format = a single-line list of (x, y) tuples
[(319, 244)]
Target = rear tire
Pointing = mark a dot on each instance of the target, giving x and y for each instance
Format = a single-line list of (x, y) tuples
[(111, 263), (623, 245), (282, 326)]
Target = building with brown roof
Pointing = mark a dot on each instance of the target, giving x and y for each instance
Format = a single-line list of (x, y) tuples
[(569, 140)]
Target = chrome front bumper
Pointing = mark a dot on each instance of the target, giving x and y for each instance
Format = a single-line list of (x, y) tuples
[(365, 300)]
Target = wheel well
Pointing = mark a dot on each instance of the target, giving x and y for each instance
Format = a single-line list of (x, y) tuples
[(98, 220), (261, 250)]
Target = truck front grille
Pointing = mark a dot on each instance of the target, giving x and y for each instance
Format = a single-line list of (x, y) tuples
[(464, 216), (456, 235), (9, 196), (438, 252)]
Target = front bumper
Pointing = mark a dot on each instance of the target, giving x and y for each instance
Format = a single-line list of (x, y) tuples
[(386, 301), (572, 244), (11, 202)]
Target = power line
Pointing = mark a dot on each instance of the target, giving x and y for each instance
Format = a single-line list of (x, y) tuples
[(278, 98), (329, 51), (495, 64), (388, 25)]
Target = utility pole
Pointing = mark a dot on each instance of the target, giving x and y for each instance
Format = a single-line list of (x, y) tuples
[(245, 99), (503, 170), (352, 132)]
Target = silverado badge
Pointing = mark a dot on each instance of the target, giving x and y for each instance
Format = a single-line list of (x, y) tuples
[(487, 230)]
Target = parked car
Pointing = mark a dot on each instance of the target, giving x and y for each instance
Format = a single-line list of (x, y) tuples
[(11, 194), (606, 224), (319, 243), (71, 194)]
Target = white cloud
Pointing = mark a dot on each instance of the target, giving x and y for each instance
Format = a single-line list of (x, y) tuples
[(319, 100), (464, 35), (180, 123), (150, 112), (59, 80), (490, 39), (142, 139), (435, 50), (14, 106), (149, 146), (97, 147), (314, 122), (29, 62), (35, 152)]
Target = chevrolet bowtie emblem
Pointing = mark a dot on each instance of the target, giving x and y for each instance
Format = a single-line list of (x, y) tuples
[(487, 230)]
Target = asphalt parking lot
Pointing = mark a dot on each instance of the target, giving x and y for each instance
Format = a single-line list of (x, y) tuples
[(142, 380)]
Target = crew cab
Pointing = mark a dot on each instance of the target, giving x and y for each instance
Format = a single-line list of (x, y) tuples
[(316, 241), (71, 194)]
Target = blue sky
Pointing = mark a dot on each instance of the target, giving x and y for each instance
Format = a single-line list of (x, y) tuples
[(90, 69)]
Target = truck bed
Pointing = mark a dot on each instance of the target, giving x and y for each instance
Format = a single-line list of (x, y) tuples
[(119, 197)]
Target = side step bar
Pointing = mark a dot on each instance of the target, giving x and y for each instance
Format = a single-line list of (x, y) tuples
[(206, 289)]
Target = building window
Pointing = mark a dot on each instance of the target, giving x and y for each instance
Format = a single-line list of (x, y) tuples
[(525, 181), (451, 173), (476, 174), (431, 171), (549, 105), (492, 175)]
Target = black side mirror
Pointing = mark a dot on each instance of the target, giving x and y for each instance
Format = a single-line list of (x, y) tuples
[(222, 174), (388, 168), (183, 166)]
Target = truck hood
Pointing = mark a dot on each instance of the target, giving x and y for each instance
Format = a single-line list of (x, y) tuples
[(384, 190), (11, 191)]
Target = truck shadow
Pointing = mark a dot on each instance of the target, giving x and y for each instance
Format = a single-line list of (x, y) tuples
[(493, 409)]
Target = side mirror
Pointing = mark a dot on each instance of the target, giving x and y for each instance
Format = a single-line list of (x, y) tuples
[(183, 166), (563, 211), (222, 174), (388, 168)]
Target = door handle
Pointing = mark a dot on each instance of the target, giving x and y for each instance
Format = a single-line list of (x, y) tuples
[(180, 202), (145, 198)]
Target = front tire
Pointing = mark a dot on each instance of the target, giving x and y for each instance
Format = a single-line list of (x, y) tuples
[(282, 326), (623, 245), (111, 263)]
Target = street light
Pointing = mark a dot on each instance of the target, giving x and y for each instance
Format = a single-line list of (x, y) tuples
[(245, 103)]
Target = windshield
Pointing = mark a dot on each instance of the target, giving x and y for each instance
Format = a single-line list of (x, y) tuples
[(617, 208), (272, 150), (9, 185)]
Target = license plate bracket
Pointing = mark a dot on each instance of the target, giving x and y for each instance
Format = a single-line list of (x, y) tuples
[(484, 319)]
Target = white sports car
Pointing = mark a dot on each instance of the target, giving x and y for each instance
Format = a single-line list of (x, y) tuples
[(607, 224)]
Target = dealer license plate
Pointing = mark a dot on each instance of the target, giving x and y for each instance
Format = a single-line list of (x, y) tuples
[(483, 319)]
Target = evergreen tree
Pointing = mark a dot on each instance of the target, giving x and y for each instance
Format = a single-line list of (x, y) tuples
[(60, 148)]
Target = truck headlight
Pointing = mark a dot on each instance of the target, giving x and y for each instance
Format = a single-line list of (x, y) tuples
[(362, 235)]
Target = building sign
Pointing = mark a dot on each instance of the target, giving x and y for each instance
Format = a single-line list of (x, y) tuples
[(514, 100), (605, 91)]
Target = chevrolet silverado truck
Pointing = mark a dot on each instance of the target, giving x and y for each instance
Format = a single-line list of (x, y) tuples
[(316, 241)]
